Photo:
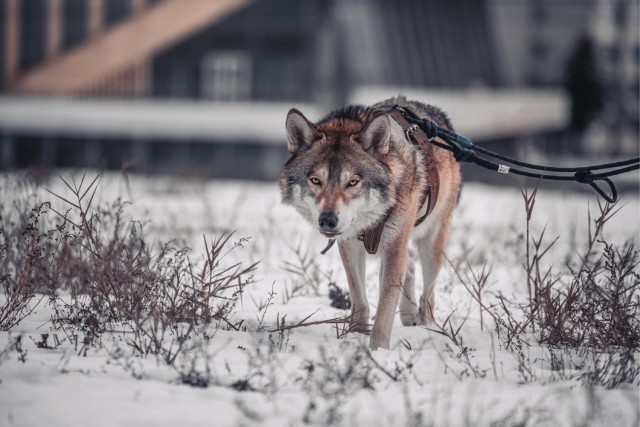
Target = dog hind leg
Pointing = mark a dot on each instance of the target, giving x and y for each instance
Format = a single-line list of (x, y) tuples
[(431, 254), (408, 303)]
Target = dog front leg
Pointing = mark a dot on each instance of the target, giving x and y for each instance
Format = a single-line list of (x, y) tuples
[(394, 265), (354, 261)]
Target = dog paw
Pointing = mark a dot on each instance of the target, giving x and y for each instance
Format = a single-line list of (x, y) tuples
[(410, 319), (415, 319)]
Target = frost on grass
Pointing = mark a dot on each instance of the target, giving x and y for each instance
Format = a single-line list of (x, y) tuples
[(533, 326)]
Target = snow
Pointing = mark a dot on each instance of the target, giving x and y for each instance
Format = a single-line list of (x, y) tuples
[(58, 387)]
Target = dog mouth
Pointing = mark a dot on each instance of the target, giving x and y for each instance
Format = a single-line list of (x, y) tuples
[(330, 233)]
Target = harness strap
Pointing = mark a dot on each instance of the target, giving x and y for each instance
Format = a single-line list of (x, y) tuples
[(417, 136), (371, 237)]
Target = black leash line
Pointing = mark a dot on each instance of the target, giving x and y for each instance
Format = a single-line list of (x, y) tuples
[(463, 151)]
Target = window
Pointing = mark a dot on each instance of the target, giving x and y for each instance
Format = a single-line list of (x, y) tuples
[(613, 54), (32, 33), (539, 49), (539, 13), (226, 75), (75, 22), (619, 13), (116, 10)]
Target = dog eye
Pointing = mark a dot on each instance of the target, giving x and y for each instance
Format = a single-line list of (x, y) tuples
[(353, 182), (314, 180)]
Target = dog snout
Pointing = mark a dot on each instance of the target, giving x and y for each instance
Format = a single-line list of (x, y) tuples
[(328, 221)]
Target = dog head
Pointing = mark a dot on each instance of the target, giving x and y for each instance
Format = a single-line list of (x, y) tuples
[(338, 177)]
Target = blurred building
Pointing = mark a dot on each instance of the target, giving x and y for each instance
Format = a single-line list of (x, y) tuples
[(235, 50), (151, 83), (537, 37)]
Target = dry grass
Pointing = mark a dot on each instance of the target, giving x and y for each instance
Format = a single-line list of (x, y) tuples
[(591, 308), (101, 275), (97, 269)]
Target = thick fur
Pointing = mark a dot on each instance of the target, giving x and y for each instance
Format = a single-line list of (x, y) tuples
[(354, 166)]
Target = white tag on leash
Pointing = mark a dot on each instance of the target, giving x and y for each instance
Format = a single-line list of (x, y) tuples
[(503, 169)]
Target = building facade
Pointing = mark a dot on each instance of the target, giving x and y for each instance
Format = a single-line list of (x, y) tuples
[(313, 52)]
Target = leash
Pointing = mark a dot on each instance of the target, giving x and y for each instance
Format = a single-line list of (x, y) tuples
[(463, 151), (424, 132)]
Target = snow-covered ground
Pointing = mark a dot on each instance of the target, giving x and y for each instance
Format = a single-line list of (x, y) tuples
[(308, 376)]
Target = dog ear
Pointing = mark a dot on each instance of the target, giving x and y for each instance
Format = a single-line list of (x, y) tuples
[(301, 132), (376, 136)]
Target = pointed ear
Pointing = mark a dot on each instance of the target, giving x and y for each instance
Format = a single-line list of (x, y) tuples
[(376, 136), (301, 132)]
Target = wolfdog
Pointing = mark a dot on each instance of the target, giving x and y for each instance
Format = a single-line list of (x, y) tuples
[(356, 174)]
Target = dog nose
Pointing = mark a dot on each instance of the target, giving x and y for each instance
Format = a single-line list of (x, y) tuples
[(328, 221)]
